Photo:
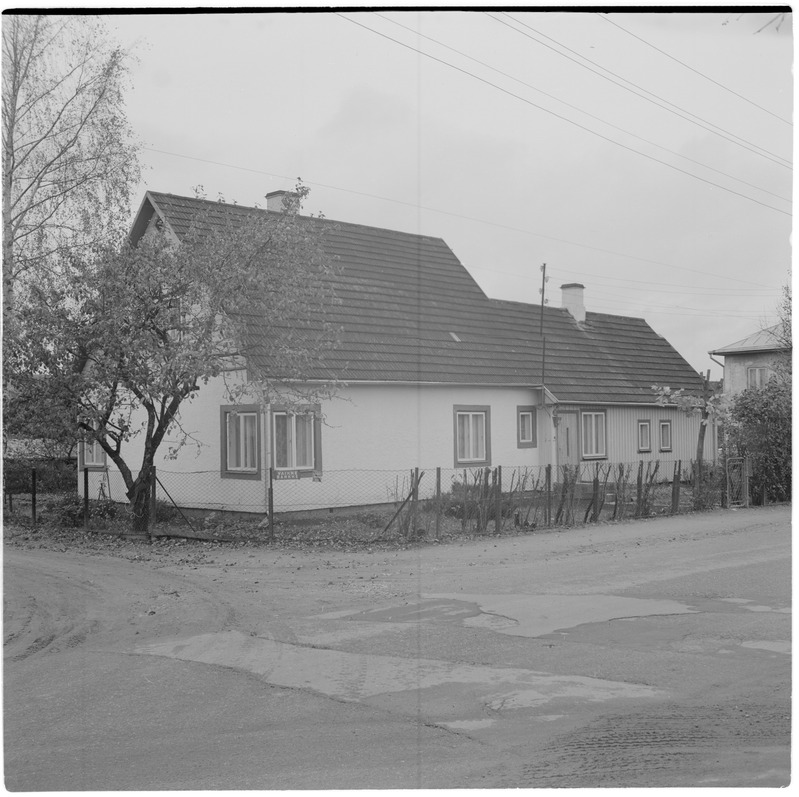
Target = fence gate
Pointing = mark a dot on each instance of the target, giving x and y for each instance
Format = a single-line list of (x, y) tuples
[(737, 481)]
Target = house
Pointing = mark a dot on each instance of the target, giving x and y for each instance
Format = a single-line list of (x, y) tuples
[(433, 374), (751, 362)]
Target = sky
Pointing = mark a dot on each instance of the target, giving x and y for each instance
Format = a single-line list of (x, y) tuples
[(645, 155)]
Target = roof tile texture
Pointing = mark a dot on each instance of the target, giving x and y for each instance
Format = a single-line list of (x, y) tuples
[(402, 295)]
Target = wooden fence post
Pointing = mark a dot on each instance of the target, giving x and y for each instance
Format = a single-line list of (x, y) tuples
[(675, 488), (548, 479), (271, 507), (86, 498), (438, 500), (595, 512), (639, 494), (498, 499), (153, 499), (414, 501), (33, 497)]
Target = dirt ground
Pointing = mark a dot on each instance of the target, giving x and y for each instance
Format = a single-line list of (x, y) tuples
[(654, 653)]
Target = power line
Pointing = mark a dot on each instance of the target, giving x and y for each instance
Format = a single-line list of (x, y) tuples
[(692, 69), (581, 110), (597, 279), (456, 215), (706, 125), (564, 118)]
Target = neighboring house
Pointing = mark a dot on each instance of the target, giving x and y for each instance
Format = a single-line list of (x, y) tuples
[(433, 374), (751, 362)]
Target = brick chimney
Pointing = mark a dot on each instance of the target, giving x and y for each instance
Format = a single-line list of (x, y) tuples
[(572, 300), (274, 200)]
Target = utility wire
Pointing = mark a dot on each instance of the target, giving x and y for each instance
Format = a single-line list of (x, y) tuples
[(601, 279), (581, 110), (457, 216), (692, 69), (564, 118), (681, 112)]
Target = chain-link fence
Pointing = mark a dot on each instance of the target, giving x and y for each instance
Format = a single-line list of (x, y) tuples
[(415, 503)]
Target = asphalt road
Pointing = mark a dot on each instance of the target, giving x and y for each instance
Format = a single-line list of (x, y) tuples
[(645, 654)]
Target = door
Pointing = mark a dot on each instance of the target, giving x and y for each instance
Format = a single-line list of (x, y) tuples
[(568, 441)]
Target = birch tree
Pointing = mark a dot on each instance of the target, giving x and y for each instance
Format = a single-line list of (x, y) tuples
[(69, 162)]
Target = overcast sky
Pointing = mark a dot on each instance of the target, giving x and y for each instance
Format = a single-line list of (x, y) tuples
[(645, 155)]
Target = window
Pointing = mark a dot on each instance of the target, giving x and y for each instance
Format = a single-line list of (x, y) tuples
[(91, 454), (526, 436), (593, 434), (241, 442), (756, 377), (472, 435), (297, 442), (644, 436), (665, 435)]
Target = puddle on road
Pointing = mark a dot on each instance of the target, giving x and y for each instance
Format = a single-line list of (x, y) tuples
[(751, 606), (469, 725), (774, 646), (523, 615), (358, 677)]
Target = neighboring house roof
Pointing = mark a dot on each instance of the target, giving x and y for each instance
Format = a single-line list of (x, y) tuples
[(764, 340), (410, 312)]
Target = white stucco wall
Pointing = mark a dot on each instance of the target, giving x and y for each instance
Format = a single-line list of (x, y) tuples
[(372, 437)]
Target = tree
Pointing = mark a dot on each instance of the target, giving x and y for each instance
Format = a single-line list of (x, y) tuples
[(135, 331), (69, 163), (759, 424), (706, 405), (759, 427), (782, 366)]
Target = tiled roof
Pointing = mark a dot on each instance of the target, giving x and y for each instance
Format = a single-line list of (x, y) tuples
[(410, 312), (763, 340)]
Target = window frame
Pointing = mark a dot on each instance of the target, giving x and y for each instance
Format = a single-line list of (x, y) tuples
[(305, 472), (645, 424), (84, 463), (584, 415), (526, 409), (226, 472), (665, 424), (757, 369), (472, 410)]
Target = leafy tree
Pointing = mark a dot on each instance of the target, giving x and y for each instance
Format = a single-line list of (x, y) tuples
[(135, 331), (759, 427), (707, 406), (68, 161)]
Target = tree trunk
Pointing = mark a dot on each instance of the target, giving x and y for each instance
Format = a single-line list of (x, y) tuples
[(700, 443), (139, 497)]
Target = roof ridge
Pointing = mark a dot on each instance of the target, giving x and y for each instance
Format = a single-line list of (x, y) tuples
[(321, 219)]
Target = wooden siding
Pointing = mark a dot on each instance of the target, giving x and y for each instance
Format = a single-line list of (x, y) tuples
[(622, 434)]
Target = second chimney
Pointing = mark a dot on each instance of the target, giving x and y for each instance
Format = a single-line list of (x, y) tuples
[(274, 200), (572, 300)]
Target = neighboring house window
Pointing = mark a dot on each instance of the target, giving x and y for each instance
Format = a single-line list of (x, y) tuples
[(756, 377), (241, 442), (472, 435), (644, 436), (297, 442), (665, 435), (593, 434), (526, 436)]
